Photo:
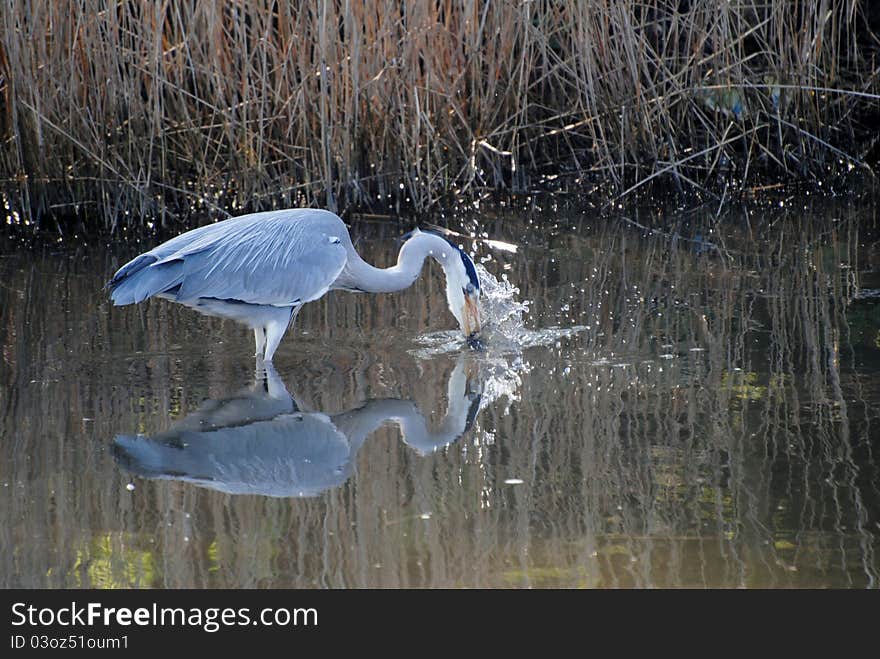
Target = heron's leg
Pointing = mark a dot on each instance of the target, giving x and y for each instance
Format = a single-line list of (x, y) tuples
[(260, 338), (276, 328)]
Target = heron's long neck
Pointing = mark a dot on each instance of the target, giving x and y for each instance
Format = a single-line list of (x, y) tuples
[(360, 275), (360, 424), (461, 409)]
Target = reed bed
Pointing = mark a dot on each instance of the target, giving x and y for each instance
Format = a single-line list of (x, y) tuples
[(126, 111)]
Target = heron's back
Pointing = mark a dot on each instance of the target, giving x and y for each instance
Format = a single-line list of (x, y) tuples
[(290, 455), (280, 258)]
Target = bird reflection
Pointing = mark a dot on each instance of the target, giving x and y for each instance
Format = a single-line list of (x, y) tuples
[(259, 441)]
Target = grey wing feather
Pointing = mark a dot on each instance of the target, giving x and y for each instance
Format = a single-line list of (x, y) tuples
[(289, 455), (277, 258)]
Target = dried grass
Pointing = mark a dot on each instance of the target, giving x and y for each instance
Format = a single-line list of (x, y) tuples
[(129, 110)]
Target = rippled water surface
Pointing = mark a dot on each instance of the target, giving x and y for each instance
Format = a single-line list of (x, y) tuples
[(695, 406)]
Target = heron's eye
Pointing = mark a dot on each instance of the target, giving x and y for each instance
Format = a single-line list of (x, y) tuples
[(469, 289)]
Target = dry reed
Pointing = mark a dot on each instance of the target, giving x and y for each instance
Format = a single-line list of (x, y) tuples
[(129, 110)]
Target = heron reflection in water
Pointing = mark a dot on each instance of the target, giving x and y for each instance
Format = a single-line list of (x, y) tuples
[(260, 441)]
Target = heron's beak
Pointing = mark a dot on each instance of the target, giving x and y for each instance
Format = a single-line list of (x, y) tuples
[(471, 315)]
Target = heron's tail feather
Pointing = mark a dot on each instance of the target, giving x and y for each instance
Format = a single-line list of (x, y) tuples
[(151, 458), (141, 455), (140, 279), (130, 268)]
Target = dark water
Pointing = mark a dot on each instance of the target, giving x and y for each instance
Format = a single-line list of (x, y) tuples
[(695, 408)]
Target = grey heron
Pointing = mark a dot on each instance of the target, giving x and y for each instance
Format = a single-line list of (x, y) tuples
[(259, 441), (259, 269)]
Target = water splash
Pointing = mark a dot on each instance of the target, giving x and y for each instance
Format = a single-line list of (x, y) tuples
[(502, 378), (504, 328), (502, 310)]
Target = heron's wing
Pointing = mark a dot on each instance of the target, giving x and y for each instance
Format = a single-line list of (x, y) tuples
[(278, 258), (287, 456)]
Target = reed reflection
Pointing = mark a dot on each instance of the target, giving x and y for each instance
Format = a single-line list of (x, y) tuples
[(262, 441), (715, 424)]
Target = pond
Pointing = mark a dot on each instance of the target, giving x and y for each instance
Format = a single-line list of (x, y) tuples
[(695, 404)]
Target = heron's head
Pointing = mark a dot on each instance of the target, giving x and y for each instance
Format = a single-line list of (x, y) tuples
[(463, 295), (462, 282)]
